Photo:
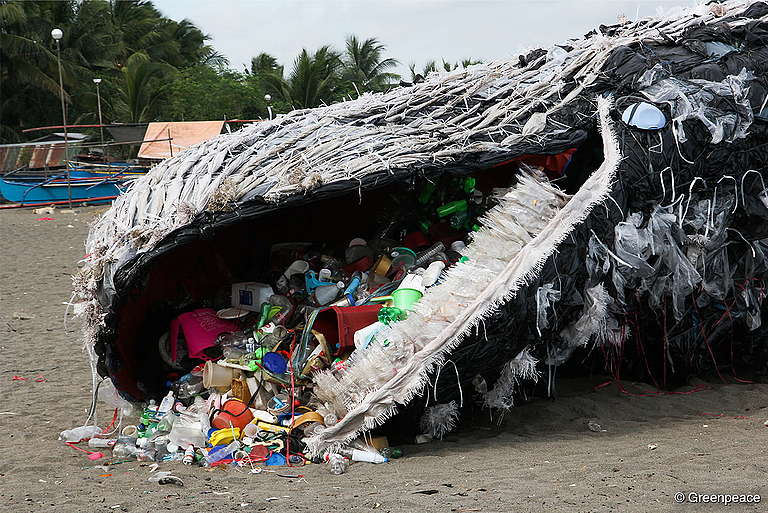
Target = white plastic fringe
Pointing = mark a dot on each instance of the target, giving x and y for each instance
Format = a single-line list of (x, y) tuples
[(472, 292), (593, 319), (521, 368), (440, 419)]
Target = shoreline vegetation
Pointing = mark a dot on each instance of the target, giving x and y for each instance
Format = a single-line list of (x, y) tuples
[(157, 69)]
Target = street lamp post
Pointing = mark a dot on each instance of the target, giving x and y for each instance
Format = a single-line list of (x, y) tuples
[(97, 81), (57, 34), (268, 99)]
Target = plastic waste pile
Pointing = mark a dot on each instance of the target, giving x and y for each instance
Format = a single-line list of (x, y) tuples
[(239, 386)]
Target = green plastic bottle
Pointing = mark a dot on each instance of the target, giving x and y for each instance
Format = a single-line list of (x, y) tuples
[(452, 208)]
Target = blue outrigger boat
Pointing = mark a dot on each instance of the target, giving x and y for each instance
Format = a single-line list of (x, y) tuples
[(81, 186), (43, 171)]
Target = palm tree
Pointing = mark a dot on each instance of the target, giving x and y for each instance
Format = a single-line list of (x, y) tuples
[(365, 67), (264, 64), (314, 79), (100, 37), (140, 88), (431, 66), (465, 63)]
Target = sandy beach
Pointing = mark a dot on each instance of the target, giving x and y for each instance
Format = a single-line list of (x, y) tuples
[(543, 458)]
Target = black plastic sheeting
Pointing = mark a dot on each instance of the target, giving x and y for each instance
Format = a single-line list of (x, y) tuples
[(717, 328), (656, 329)]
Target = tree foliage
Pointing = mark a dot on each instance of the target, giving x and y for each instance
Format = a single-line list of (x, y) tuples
[(155, 68), (202, 92), (129, 44), (365, 65)]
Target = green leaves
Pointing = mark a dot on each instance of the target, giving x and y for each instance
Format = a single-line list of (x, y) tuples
[(365, 66), (128, 44), (313, 81), (327, 76), (141, 86), (203, 92)]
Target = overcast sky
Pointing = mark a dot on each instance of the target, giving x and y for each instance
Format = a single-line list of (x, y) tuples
[(414, 30)]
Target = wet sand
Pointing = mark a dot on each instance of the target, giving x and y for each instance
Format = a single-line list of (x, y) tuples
[(543, 459)]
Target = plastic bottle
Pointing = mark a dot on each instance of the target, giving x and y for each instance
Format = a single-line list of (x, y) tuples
[(366, 456), (161, 449), (391, 453), (189, 456), (145, 455), (325, 294), (101, 443), (337, 464), (425, 256), (432, 273), (354, 283), (188, 386), (149, 416), (125, 450), (330, 419), (167, 403), (166, 423), (205, 423), (220, 454), (452, 208), (79, 433), (458, 246)]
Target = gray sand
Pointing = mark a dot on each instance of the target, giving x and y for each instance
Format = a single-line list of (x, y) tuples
[(543, 459)]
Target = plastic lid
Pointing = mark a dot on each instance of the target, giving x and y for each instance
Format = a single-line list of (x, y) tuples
[(645, 116), (274, 363)]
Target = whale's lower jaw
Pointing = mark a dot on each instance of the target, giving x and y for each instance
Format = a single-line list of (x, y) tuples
[(516, 239)]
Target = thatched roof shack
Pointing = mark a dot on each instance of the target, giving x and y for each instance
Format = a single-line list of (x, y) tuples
[(286, 174)]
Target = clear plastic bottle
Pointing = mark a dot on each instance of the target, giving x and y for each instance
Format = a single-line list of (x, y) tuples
[(330, 419), (188, 386), (123, 450), (161, 449), (337, 464), (233, 345), (145, 455), (220, 454), (79, 433), (101, 443), (429, 254), (361, 455), (167, 403)]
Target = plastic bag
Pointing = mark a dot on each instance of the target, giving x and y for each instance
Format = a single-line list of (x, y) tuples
[(546, 297), (698, 99)]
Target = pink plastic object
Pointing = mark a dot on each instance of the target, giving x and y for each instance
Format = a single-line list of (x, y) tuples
[(201, 327), (95, 456)]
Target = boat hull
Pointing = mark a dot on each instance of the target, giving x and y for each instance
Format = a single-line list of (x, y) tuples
[(83, 189)]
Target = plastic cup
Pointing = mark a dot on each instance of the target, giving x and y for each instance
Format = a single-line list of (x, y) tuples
[(215, 376), (297, 267), (404, 299), (131, 431)]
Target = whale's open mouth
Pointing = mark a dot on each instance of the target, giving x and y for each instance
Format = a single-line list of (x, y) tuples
[(531, 215)]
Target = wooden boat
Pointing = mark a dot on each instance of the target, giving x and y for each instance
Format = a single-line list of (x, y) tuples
[(79, 187)]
